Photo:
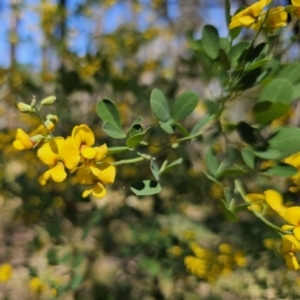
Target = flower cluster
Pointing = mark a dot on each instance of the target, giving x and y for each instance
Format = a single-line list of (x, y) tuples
[(290, 231), (75, 153), (208, 265), (260, 15)]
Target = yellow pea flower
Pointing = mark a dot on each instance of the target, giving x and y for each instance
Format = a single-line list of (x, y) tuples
[(277, 18), (84, 138), (294, 9), (289, 247), (22, 140), (105, 175), (249, 16), (58, 154)]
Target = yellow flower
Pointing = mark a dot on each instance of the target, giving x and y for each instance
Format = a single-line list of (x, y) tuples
[(289, 247), (249, 16), (196, 266), (5, 272), (22, 140), (292, 216), (277, 18), (294, 9), (105, 175), (84, 138), (58, 154)]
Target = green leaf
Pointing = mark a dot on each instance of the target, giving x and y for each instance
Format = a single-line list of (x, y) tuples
[(138, 120), (181, 128), (108, 112), (228, 195), (167, 126), (113, 130), (259, 63), (248, 157), (135, 129), (159, 105), (113, 150), (296, 91), (278, 90), (235, 32), (184, 105), (230, 172), (154, 169), (134, 140), (236, 52), (150, 265), (286, 141), (281, 170), (290, 72), (230, 215), (76, 281), (171, 165), (210, 177), (211, 162), (265, 112), (201, 123), (268, 154), (247, 133), (225, 45), (210, 41), (145, 187), (190, 137)]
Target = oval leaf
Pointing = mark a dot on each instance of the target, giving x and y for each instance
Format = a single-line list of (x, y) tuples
[(113, 130), (108, 112), (159, 105), (210, 41), (184, 105), (278, 90), (135, 140), (282, 170), (248, 157)]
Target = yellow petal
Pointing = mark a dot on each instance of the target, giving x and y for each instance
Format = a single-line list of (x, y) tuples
[(108, 173), (297, 233), (296, 2), (287, 227), (290, 243), (23, 139), (88, 152), (292, 215), (49, 153), (99, 191), (18, 145), (84, 177), (291, 261), (255, 197), (275, 201), (58, 173), (86, 193), (246, 21), (70, 154), (101, 152), (45, 177), (83, 135)]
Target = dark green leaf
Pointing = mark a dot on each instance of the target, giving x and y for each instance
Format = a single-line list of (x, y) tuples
[(236, 52), (225, 45), (159, 105), (227, 12), (181, 128), (145, 187), (210, 41), (265, 112), (184, 105), (278, 90), (247, 133), (108, 112)]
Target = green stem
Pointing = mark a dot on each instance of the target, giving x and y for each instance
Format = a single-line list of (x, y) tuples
[(128, 161), (43, 122)]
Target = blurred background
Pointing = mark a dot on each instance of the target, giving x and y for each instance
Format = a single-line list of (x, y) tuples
[(55, 244)]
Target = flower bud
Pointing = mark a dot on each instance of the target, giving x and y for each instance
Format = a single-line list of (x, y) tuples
[(25, 108), (37, 138), (52, 118), (48, 101)]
